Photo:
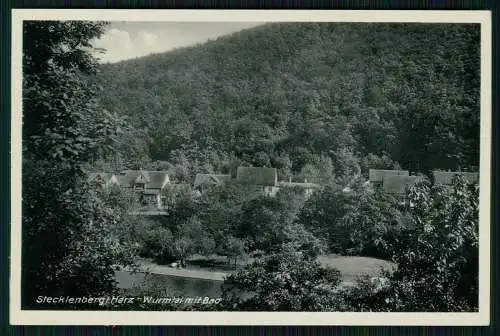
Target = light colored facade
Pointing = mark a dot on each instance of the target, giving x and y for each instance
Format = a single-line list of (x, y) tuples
[(147, 184)]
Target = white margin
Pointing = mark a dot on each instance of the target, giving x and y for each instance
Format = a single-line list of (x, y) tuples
[(27, 317)]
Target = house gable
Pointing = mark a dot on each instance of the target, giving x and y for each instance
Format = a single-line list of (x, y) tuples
[(142, 178), (150, 179), (113, 180)]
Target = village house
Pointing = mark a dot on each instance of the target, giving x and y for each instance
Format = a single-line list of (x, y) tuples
[(446, 177), (392, 181), (397, 184), (377, 176), (262, 178), (148, 184)]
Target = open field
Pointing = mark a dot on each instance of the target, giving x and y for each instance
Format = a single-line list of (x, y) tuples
[(353, 267)]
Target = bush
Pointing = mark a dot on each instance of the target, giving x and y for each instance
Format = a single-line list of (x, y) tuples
[(287, 280)]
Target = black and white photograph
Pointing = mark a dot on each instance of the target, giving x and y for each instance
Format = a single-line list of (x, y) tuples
[(251, 168)]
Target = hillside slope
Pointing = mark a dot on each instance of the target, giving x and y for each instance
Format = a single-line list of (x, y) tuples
[(312, 99)]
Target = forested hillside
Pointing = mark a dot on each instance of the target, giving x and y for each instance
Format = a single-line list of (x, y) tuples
[(311, 99)]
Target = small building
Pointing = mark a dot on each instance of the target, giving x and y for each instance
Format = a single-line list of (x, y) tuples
[(149, 184), (203, 181), (266, 179), (397, 184), (377, 176), (446, 178), (306, 187)]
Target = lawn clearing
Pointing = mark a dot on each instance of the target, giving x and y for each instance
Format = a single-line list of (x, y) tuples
[(353, 267)]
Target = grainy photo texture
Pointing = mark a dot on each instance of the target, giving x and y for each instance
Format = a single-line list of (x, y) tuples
[(247, 166)]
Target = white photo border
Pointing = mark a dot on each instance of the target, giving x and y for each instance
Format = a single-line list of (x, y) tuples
[(46, 317)]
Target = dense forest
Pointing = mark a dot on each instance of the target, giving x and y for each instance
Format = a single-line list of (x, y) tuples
[(311, 99)]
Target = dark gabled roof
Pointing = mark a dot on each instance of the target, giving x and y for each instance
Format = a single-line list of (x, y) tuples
[(210, 179), (152, 179), (398, 183), (257, 176), (446, 178), (378, 175)]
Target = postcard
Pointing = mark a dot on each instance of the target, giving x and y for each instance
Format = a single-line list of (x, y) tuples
[(228, 167)]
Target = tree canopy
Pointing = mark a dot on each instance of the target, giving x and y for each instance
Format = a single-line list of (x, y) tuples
[(69, 245)]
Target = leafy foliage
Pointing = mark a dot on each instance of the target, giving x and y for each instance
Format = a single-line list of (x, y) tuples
[(437, 255), (352, 220), (287, 280), (69, 242), (263, 221)]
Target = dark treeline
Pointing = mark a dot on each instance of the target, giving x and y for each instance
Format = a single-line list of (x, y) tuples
[(312, 99)]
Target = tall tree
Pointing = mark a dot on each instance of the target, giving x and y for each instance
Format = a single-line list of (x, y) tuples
[(436, 251), (440, 247), (68, 246)]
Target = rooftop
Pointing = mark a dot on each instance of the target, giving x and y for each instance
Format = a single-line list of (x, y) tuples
[(257, 176), (378, 175), (398, 183), (152, 179), (446, 178)]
